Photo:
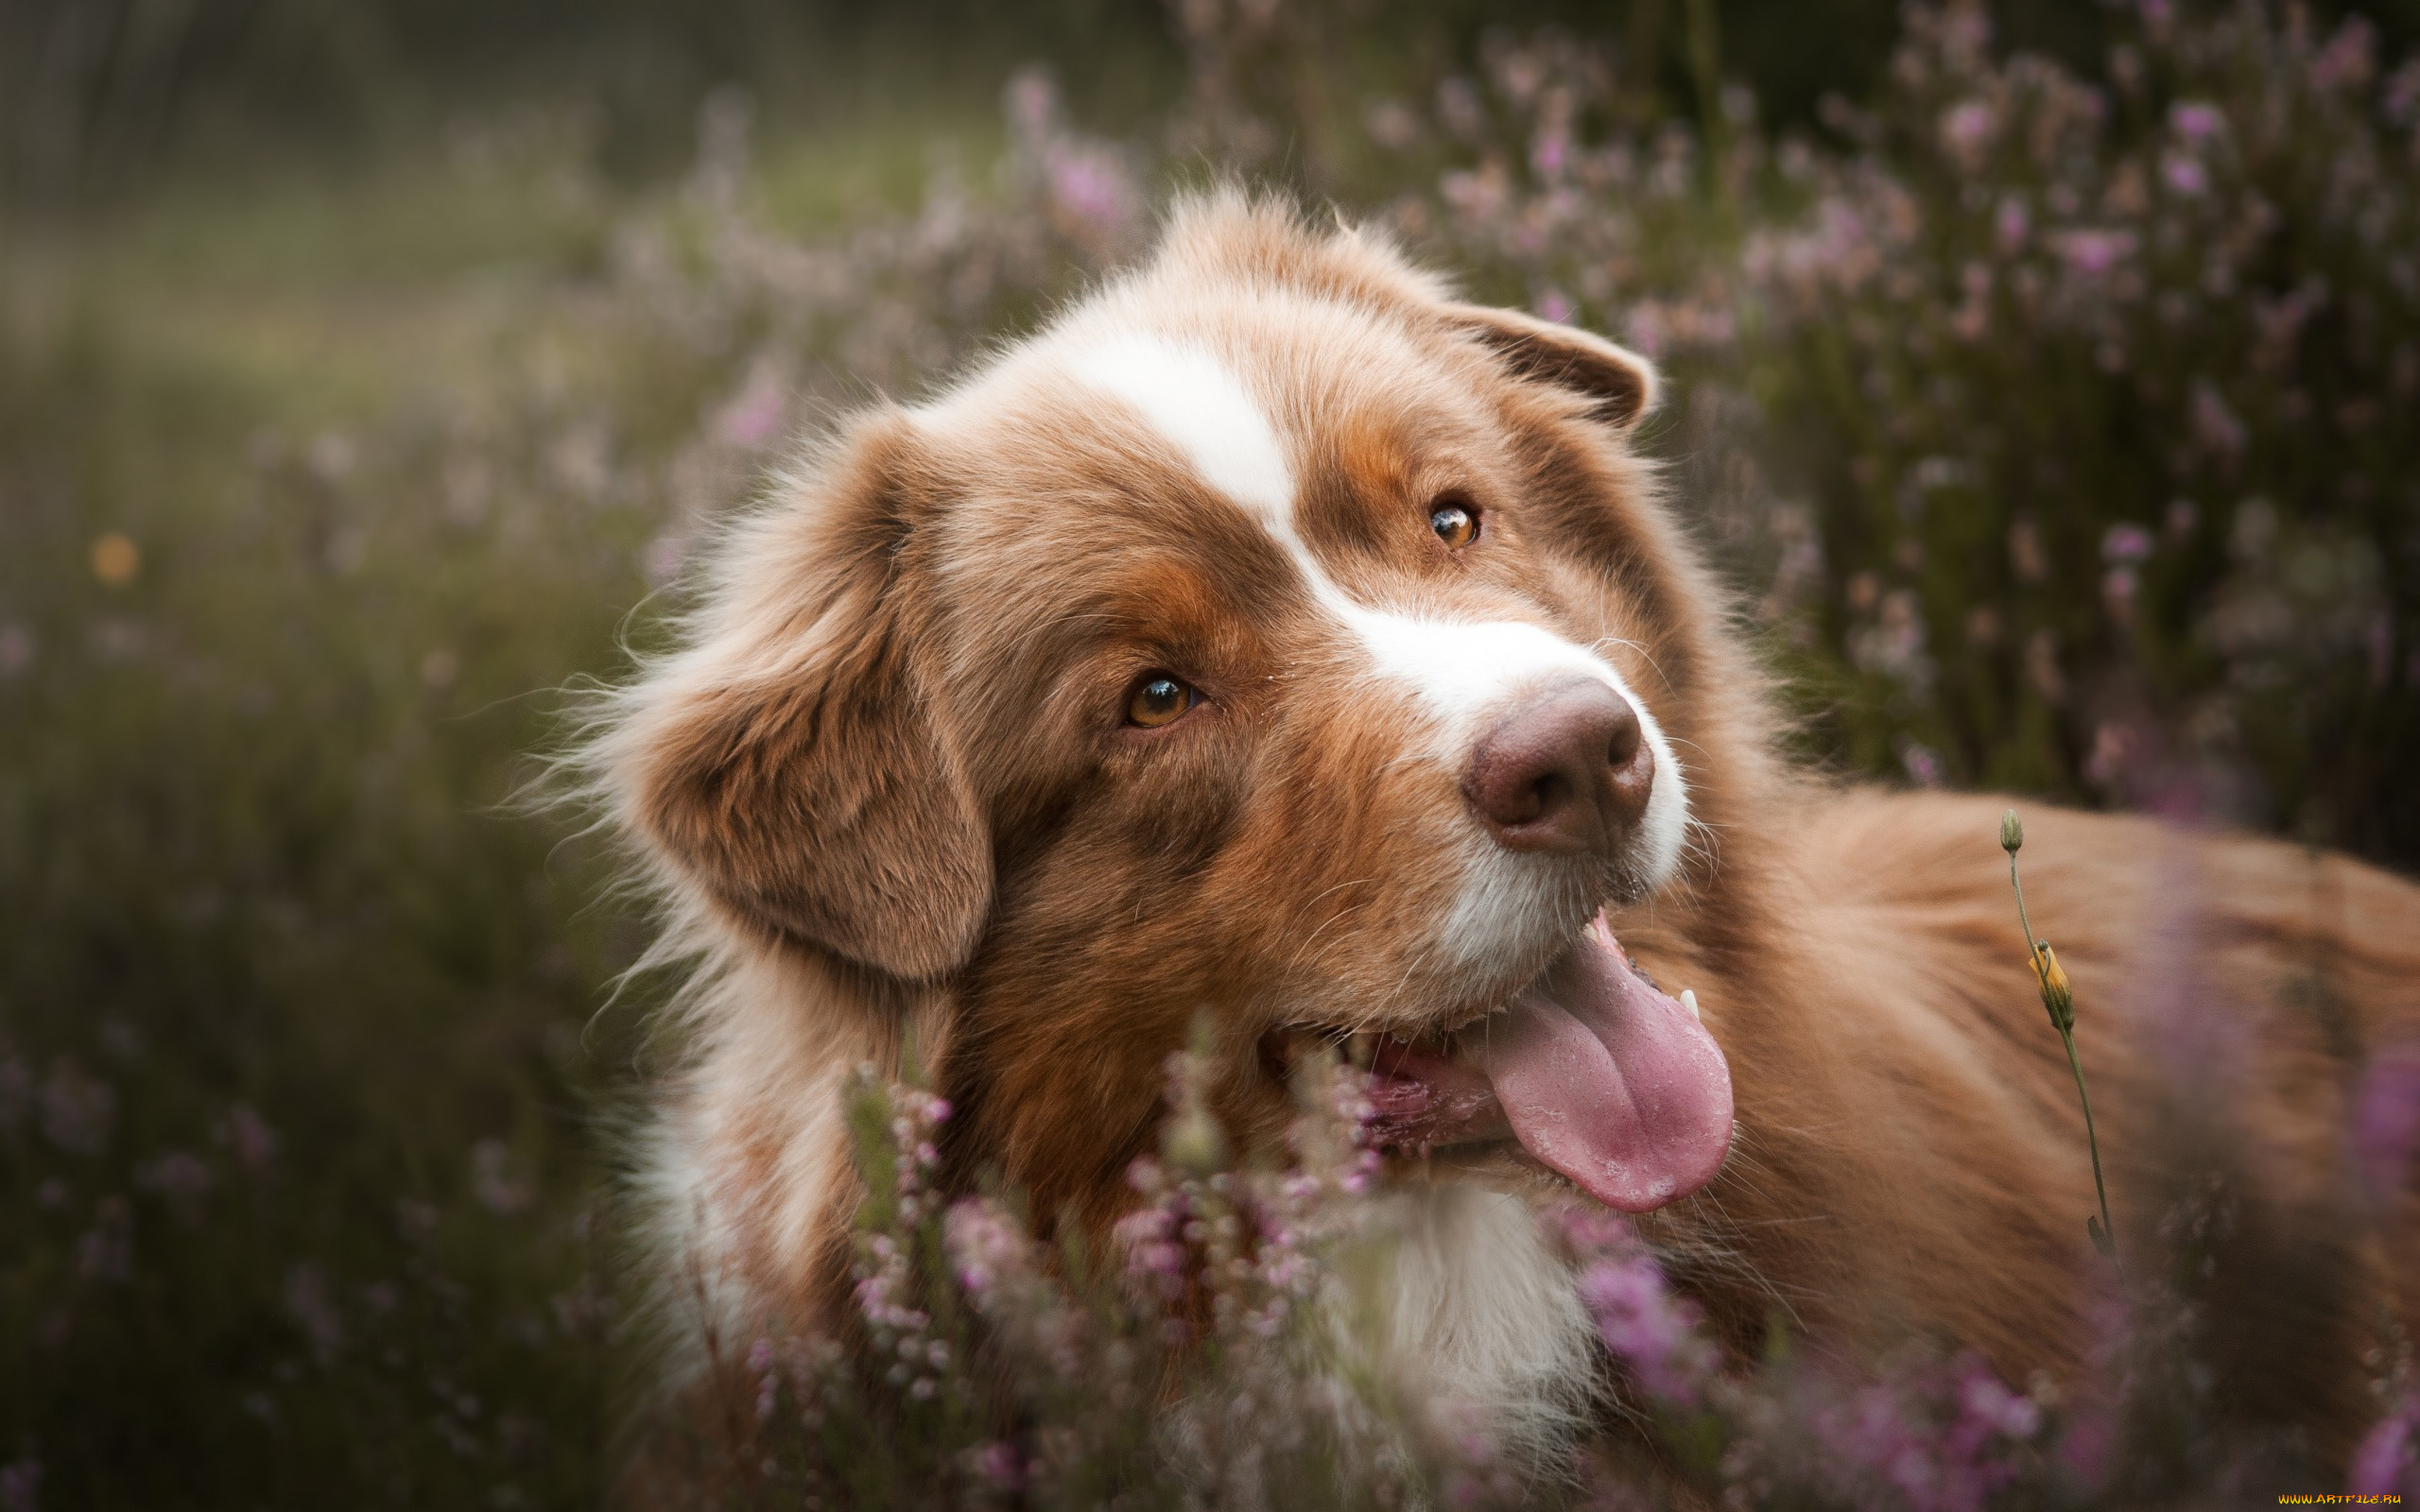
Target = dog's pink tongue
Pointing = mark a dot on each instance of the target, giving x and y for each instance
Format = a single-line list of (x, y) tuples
[(1612, 1083)]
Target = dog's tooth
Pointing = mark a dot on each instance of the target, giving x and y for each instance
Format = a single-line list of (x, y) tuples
[(1689, 1001), (1362, 1048)]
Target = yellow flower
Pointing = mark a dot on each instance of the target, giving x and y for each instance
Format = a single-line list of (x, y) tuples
[(116, 559), (2057, 996)]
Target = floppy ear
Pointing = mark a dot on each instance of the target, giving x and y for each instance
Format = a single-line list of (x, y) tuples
[(1620, 381), (794, 764)]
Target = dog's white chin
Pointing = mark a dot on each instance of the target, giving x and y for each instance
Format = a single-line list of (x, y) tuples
[(1478, 1324)]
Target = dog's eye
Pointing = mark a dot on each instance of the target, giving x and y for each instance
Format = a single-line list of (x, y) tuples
[(1158, 700), (1455, 522)]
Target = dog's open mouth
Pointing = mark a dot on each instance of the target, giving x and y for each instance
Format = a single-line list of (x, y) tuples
[(1601, 1076)]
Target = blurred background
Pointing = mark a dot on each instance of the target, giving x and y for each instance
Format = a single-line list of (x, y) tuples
[(2043, 378)]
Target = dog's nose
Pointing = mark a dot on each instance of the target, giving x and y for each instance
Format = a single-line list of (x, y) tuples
[(1568, 770)]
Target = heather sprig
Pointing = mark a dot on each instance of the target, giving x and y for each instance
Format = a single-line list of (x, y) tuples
[(2059, 1001)]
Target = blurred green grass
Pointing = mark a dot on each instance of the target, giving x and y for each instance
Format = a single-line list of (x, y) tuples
[(253, 853), (306, 1058)]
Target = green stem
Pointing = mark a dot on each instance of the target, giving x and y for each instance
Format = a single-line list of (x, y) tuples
[(2075, 1064), (2031, 948), (2067, 1037)]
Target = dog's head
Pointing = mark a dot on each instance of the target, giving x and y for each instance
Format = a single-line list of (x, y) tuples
[(1272, 636)]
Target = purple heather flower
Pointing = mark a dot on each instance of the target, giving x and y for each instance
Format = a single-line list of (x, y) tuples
[(1032, 102), (997, 1464), (2125, 542), (1646, 1327), (249, 1134), (2401, 97), (493, 1182), (77, 1109), (183, 1179), (2120, 587), (1391, 125), (2093, 253), (1091, 185), (754, 417), (984, 1245), (2386, 1119), (1550, 154), (2185, 174), (2196, 122), (2011, 224), (2349, 58), (1966, 131), (1922, 765), (19, 1480), (2214, 424), (1986, 1402), (2383, 1464), (311, 1302)]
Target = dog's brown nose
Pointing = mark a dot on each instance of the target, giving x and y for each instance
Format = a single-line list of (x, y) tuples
[(1568, 770)]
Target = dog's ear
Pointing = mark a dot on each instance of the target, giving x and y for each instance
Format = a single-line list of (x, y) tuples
[(794, 764), (1621, 383)]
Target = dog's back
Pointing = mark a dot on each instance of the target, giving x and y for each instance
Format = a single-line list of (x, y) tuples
[(1912, 1155)]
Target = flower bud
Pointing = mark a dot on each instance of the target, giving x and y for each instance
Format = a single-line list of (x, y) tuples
[(2057, 997), (2012, 832), (1194, 1142)]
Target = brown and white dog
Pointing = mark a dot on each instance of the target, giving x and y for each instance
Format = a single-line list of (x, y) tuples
[(1273, 634)]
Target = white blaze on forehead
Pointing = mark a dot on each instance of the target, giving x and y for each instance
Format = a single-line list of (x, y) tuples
[(1192, 399), (1461, 672)]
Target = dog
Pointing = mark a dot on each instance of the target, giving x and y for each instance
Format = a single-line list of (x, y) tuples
[(1276, 635)]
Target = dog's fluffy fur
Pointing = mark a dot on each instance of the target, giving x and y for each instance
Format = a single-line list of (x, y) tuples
[(885, 782)]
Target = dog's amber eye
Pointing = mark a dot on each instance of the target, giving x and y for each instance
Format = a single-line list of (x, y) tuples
[(1456, 523), (1159, 699)]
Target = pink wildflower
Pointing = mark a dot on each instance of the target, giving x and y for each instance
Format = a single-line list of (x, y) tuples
[(2384, 1463), (182, 1181), (2349, 59), (2010, 225), (985, 1245), (1966, 131), (1032, 102), (997, 1464), (2215, 425), (1647, 1328), (1090, 185), (19, 1480), (249, 1134), (2125, 542), (1922, 764), (2195, 122), (2386, 1119), (77, 1109), (2094, 253), (755, 414), (311, 1302)]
